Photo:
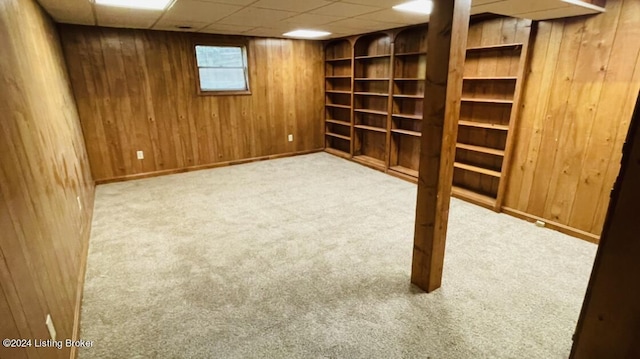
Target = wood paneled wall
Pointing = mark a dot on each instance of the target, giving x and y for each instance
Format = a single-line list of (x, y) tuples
[(580, 93), (46, 190), (136, 90), (609, 325)]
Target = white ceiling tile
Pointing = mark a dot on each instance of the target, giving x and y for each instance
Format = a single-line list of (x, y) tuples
[(257, 17), (401, 17), (199, 11), (378, 3), (121, 17), (232, 2), (70, 11), (226, 29), (171, 25), (364, 24), (337, 29), (344, 9), (264, 32), (311, 19), (297, 5)]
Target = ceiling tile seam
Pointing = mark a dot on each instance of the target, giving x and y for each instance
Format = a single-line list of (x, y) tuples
[(94, 12), (164, 12), (209, 24), (233, 13)]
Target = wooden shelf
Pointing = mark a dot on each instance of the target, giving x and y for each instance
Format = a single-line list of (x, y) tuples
[(338, 136), (372, 79), (369, 161), (371, 94), (408, 79), (407, 132), (404, 170), (339, 59), (371, 128), (474, 197), (339, 92), (337, 152), (337, 106), (487, 150), (490, 78), (337, 77), (407, 116), (487, 100), (489, 126), (413, 53), (477, 169), (367, 57), (373, 112), (495, 47), (338, 122), (416, 97)]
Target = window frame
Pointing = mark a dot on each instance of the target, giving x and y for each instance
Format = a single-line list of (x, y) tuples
[(243, 44)]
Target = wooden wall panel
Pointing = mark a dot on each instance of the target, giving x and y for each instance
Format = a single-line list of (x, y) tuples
[(577, 104), (136, 90), (46, 190), (609, 324)]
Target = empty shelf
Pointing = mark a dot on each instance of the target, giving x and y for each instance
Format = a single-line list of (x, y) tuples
[(373, 112), (407, 132), (338, 122), (486, 100), (404, 170), (371, 94), (370, 128), (495, 47), (407, 116), (489, 126), (487, 150), (338, 136), (477, 169), (474, 197), (337, 106)]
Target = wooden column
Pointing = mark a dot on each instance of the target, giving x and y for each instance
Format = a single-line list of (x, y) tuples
[(609, 325), (447, 42)]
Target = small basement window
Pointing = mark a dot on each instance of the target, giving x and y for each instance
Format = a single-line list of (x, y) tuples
[(222, 70)]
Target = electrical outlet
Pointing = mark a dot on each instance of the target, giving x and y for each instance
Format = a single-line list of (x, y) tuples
[(290, 138), (51, 327), (140, 155)]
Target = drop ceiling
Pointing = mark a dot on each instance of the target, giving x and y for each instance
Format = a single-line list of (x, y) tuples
[(272, 18)]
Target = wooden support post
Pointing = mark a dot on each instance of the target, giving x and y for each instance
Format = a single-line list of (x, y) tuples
[(447, 42), (609, 325)]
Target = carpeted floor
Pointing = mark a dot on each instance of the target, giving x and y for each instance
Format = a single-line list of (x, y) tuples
[(309, 257)]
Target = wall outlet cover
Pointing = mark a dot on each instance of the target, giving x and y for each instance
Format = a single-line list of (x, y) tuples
[(51, 327), (140, 155)]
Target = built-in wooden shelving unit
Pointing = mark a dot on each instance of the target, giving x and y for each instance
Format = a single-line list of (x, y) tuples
[(385, 79), (372, 54), (410, 66), (375, 98), (339, 97), (493, 73)]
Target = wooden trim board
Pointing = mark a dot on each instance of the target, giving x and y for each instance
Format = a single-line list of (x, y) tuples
[(589, 237), (203, 167)]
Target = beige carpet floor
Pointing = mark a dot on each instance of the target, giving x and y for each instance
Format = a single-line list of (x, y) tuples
[(309, 257)]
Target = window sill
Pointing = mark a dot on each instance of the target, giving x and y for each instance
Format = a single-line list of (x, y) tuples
[(224, 93)]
